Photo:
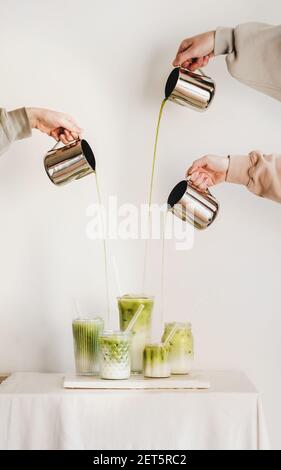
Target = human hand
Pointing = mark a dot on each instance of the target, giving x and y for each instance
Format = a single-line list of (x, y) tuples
[(208, 171), (60, 126), (196, 51)]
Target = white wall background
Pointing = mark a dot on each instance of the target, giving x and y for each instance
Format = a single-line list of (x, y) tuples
[(106, 63)]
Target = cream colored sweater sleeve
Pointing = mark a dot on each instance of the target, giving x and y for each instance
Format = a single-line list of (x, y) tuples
[(254, 58), (14, 125), (260, 173)]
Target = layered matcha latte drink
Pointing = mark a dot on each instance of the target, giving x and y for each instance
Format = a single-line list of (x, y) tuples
[(86, 348), (156, 360), (180, 347), (128, 307), (115, 355)]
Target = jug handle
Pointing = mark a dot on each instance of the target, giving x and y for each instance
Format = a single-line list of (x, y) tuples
[(188, 70), (195, 73), (209, 194), (188, 179), (59, 142)]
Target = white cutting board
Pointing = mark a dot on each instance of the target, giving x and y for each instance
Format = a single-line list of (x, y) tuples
[(191, 381)]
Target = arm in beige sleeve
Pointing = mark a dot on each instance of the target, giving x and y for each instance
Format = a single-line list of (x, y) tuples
[(253, 55), (14, 125), (260, 173)]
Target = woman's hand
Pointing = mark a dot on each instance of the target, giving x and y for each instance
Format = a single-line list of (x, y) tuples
[(196, 51), (208, 171), (60, 126)]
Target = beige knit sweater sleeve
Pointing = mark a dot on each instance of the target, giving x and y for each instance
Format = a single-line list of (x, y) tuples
[(14, 125), (254, 58)]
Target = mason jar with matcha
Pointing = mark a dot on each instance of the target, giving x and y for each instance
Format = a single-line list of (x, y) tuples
[(180, 346), (128, 306), (156, 360), (85, 340), (115, 355)]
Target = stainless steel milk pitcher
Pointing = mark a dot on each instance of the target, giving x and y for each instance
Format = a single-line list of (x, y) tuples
[(190, 205), (187, 88), (70, 162)]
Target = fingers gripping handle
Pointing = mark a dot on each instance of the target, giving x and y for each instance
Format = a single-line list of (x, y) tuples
[(69, 143)]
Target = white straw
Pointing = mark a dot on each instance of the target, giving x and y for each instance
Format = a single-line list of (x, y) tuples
[(77, 308), (117, 276), (135, 317), (171, 334)]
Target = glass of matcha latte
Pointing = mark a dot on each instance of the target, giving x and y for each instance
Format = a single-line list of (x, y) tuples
[(85, 340), (115, 360), (156, 360), (180, 346), (128, 306)]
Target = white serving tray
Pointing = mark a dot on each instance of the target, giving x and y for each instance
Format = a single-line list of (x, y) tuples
[(191, 381)]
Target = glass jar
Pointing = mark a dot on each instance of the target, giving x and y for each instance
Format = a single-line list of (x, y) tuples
[(156, 360), (115, 354), (86, 348), (128, 306), (180, 345)]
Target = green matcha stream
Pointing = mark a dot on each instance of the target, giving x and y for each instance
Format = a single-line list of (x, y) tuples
[(151, 192), (163, 271), (104, 252)]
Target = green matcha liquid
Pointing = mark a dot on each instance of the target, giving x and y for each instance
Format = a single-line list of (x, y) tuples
[(104, 254), (163, 258), (151, 191)]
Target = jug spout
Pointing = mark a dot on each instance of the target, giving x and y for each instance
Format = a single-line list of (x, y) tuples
[(191, 205), (194, 90), (70, 162)]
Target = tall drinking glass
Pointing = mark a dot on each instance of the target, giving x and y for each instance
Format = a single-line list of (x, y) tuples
[(86, 347), (128, 306)]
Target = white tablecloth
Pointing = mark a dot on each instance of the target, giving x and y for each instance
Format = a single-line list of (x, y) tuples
[(37, 413)]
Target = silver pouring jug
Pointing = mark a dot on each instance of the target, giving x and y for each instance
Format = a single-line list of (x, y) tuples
[(70, 162), (190, 205), (187, 88)]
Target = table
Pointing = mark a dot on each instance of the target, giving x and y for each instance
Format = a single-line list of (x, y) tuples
[(37, 413)]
